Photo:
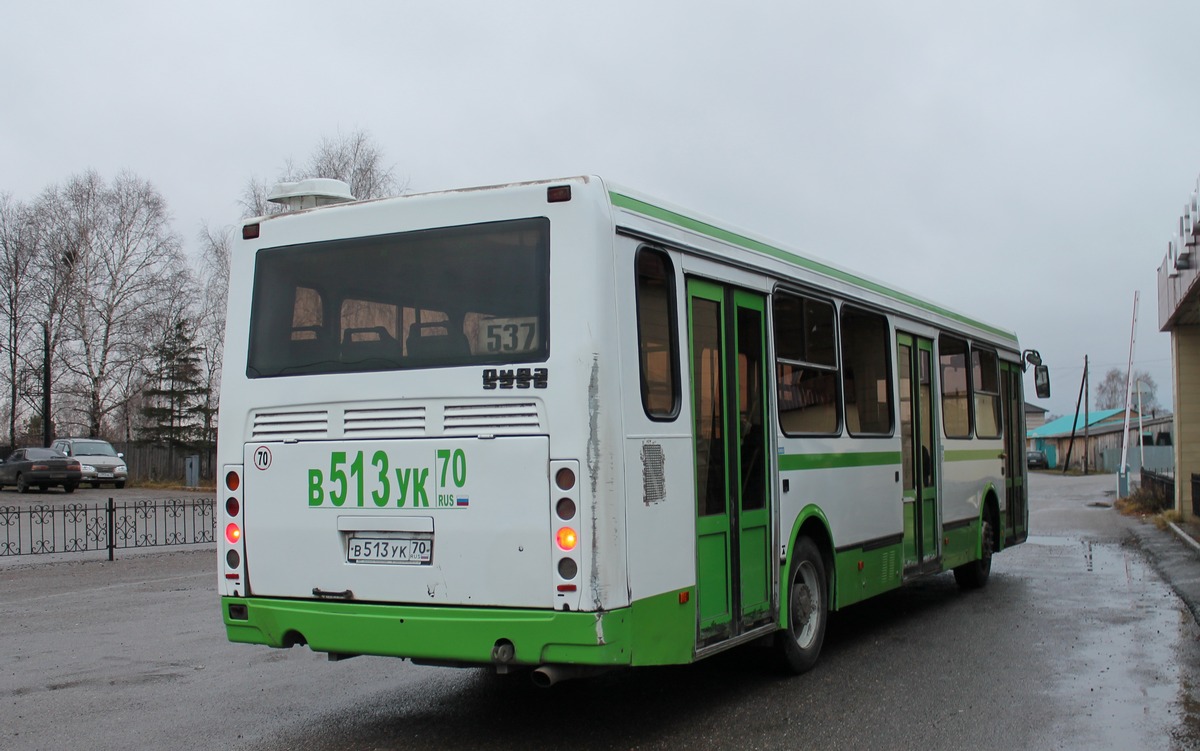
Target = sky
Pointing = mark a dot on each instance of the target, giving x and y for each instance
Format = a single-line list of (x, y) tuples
[(1022, 162)]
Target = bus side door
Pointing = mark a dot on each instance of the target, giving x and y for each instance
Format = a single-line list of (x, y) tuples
[(727, 339)]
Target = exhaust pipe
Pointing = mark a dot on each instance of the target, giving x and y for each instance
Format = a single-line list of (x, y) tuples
[(546, 676)]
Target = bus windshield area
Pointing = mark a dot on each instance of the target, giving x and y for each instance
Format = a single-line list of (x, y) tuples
[(476, 294)]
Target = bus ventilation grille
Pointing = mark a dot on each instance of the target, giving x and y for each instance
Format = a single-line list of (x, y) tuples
[(514, 418), (279, 426), (654, 479), (391, 422)]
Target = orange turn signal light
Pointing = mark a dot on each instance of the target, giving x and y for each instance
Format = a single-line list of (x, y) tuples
[(567, 538)]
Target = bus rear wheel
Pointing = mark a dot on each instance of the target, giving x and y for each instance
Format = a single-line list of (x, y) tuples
[(975, 574), (800, 643)]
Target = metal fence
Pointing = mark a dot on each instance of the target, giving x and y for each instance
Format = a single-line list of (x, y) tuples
[(80, 527), (1161, 488)]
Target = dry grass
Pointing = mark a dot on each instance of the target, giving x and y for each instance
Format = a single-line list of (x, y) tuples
[(1147, 505)]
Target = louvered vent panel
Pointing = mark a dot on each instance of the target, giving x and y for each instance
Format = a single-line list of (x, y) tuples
[(654, 479), (390, 422), (473, 419), (279, 426)]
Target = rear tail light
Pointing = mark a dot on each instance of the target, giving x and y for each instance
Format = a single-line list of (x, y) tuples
[(566, 529), (567, 538), (37, 467), (234, 546)]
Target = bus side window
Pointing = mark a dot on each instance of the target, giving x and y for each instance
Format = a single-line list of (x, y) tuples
[(658, 348), (806, 365), (985, 377), (866, 372), (956, 401)]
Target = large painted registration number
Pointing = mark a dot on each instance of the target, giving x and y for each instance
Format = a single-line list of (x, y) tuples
[(398, 550)]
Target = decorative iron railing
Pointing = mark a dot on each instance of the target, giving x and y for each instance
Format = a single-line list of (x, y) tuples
[(81, 527)]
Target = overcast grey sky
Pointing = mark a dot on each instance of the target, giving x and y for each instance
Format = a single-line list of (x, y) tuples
[(1023, 162)]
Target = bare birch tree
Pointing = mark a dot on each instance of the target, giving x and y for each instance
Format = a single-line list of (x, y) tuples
[(18, 250), (215, 247), (126, 266)]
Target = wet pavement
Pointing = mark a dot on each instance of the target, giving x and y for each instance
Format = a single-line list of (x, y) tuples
[(1077, 642)]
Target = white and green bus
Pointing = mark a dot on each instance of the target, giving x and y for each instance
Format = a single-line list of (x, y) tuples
[(563, 427)]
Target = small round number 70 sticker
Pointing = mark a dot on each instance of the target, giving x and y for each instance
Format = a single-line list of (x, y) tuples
[(262, 457)]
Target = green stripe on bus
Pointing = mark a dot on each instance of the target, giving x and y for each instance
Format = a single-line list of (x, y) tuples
[(972, 455), (733, 238), (791, 462)]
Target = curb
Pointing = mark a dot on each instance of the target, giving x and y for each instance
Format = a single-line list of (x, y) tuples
[(1184, 536)]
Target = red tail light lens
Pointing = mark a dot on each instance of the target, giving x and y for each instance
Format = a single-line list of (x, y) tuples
[(233, 533)]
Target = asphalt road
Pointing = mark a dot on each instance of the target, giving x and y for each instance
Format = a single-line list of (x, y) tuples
[(1075, 643)]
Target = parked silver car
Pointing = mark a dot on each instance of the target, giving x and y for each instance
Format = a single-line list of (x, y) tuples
[(99, 461)]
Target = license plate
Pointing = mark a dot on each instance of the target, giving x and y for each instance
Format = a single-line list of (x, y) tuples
[(408, 551), (104, 474)]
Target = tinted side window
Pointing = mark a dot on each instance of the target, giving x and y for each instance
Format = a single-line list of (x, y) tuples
[(806, 365), (985, 380), (866, 372), (956, 405), (658, 348)]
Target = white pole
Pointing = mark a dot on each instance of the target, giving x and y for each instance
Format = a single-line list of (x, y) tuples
[(1123, 471)]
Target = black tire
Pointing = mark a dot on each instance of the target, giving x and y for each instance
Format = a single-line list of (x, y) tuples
[(22, 486), (975, 574), (799, 644), (69, 488), (120, 484)]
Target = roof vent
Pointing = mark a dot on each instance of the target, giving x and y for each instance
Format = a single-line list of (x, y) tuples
[(309, 194)]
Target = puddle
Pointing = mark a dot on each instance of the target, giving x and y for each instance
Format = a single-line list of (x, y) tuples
[(1051, 541)]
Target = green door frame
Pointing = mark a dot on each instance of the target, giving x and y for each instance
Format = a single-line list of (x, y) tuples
[(1016, 521), (727, 367), (919, 436)]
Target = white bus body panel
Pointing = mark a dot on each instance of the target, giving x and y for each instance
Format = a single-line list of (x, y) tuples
[(491, 542)]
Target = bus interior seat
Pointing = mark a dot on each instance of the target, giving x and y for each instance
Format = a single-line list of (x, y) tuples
[(422, 345), (307, 345), (366, 343)]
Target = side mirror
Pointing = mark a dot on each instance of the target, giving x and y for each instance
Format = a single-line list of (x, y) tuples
[(122, 456), (1041, 381)]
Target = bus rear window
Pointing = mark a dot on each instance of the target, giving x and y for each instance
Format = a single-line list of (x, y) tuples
[(469, 295)]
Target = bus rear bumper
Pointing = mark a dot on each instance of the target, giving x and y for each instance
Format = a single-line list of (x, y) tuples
[(436, 634)]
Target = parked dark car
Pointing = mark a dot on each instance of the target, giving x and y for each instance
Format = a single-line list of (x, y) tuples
[(41, 468), (1036, 460)]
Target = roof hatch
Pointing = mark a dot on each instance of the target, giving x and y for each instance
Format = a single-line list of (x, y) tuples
[(310, 194)]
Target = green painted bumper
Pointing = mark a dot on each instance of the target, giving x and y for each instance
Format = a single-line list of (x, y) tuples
[(465, 635)]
